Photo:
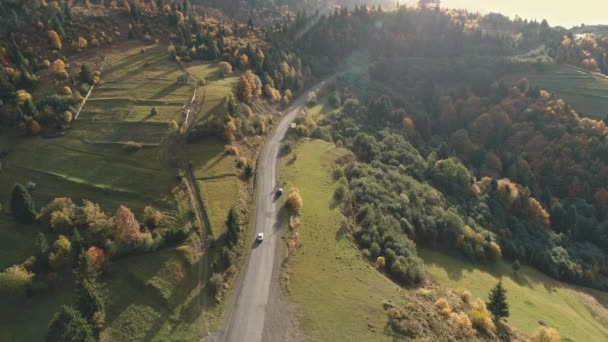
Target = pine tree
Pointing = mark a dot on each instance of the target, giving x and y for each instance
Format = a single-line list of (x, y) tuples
[(22, 205), (233, 226), (69, 325), (497, 303), (91, 294), (7, 90), (85, 75)]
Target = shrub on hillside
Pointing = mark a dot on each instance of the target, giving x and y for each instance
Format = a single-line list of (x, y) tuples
[(69, 325), (61, 256), (294, 200), (443, 306), (546, 335), (465, 295), (152, 217), (58, 204), (462, 320), (481, 318), (216, 282), (15, 280), (225, 69)]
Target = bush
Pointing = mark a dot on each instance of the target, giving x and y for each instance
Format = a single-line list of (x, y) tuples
[(321, 133), (61, 221), (241, 162), (152, 217), (58, 204), (380, 262), (480, 317), (131, 146), (465, 295), (61, 256), (231, 150), (216, 282), (225, 69), (462, 320), (248, 172), (337, 173), (546, 335), (15, 280), (287, 147), (444, 306), (294, 200), (69, 325), (339, 193)]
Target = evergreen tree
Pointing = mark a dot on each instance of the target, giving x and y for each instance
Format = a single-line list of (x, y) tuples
[(85, 75), (497, 303), (90, 300), (42, 245), (7, 89), (68, 325), (22, 205), (233, 226)]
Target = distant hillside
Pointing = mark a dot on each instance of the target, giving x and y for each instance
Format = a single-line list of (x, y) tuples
[(587, 29)]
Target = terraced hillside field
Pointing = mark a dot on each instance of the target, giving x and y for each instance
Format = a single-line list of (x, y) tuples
[(150, 293), (586, 92)]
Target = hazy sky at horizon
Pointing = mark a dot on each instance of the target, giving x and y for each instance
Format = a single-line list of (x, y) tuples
[(557, 12)]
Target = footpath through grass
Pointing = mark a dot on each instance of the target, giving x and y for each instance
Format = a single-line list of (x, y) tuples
[(340, 296), (532, 296), (586, 92)]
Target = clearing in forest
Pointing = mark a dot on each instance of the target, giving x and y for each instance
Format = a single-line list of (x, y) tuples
[(532, 296)]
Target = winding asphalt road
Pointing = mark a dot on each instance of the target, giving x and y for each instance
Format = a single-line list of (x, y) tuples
[(251, 305)]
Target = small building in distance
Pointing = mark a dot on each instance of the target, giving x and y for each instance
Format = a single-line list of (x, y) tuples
[(153, 111), (182, 80)]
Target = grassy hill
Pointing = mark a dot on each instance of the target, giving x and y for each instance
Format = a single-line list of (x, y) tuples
[(153, 296), (586, 92), (532, 296), (339, 294)]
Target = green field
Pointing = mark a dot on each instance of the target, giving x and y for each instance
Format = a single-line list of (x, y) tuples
[(217, 181), (16, 242), (212, 167), (586, 92), (89, 162), (151, 296), (339, 294), (155, 298), (532, 296), (216, 87), (133, 83)]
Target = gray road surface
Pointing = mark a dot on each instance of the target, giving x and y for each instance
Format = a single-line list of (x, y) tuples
[(252, 302)]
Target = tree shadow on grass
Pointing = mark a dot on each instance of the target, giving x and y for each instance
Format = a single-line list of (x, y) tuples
[(459, 269), (166, 91)]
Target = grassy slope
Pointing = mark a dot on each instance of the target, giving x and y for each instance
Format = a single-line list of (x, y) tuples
[(216, 87), (532, 295), (152, 296), (587, 93), (214, 169), (89, 161), (214, 172), (339, 294)]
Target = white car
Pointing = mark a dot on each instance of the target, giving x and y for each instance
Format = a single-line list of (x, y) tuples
[(260, 237)]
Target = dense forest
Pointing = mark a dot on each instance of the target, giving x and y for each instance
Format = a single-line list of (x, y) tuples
[(447, 155)]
